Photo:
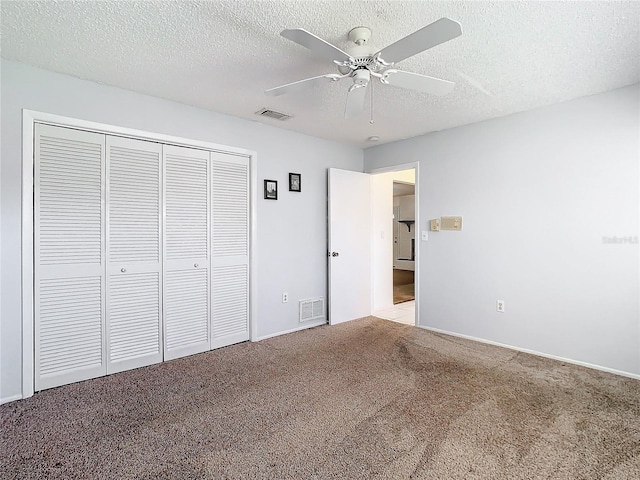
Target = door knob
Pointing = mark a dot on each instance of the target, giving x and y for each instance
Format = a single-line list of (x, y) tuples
[(123, 270), (334, 254)]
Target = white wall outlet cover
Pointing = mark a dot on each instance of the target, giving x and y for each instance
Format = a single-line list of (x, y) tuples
[(500, 306), (285, 297), (424, 235)]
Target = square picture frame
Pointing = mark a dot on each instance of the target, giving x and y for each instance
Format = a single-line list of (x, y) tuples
[(295, 182), (270, 189)]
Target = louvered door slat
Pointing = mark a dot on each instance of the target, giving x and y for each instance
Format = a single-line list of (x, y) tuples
[(69, 194), (134, 327), (80, 346), (230, 197), (230, 249), (134, 200), (230, 306), (186, 204), (186, 316), (69, 256), (134, 311), (186, 266)]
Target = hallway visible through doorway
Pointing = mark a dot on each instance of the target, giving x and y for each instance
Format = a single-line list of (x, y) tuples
[(395, 245)]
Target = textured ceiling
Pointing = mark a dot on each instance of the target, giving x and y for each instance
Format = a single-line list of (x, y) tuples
[(222, 55)]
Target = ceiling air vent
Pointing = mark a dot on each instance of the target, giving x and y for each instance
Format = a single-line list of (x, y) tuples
[(265, 112)]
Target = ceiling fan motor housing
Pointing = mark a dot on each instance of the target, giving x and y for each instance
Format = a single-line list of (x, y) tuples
[(361, 57)]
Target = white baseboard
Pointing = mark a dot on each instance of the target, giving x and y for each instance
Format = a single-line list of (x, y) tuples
[(533, 352), (297, 329), (12, 398)]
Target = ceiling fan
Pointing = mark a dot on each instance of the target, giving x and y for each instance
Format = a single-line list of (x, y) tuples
[(363, 62)]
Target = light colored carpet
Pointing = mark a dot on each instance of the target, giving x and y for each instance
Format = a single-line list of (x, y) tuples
[(365, 399)]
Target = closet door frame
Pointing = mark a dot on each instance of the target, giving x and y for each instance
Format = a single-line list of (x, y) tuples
[(29, 120)]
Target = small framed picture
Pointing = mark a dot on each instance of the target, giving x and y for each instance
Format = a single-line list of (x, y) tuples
[(295, 182), (270, 189)]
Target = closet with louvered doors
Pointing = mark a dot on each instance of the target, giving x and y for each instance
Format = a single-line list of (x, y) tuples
[(141, 253)]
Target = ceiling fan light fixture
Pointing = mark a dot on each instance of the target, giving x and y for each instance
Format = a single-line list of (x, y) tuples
[(361, 77)]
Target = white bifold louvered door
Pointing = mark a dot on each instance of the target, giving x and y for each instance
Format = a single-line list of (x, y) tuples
[(141, 253), (69, 256), (134, 253), (187, 247), (230, 249)]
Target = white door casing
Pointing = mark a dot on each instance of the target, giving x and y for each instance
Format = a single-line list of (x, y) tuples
[(349, 245)]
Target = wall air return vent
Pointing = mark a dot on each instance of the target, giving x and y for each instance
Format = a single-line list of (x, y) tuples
[(265, 112), (312, 309)]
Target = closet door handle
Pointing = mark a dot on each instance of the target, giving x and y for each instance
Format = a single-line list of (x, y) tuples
[(123, 269), (195, 265)]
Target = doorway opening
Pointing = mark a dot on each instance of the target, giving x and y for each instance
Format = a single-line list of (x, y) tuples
[(394, 256), (404, 246)]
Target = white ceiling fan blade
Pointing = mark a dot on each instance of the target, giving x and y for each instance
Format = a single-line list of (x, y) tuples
[(415, 81), (302, 84), (355, 101), (427, 37), (315, 44)]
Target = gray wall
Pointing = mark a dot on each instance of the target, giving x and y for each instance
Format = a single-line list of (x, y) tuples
[(539, 192), (291, 231)]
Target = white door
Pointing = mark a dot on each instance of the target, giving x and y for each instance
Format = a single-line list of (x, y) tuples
[(230, 249), (187, 244), (134, 253), (69, 256), (349, 245)]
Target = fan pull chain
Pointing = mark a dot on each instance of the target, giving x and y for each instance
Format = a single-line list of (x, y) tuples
[(371, 120)]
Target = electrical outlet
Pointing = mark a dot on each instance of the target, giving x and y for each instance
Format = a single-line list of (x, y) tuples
[(500, 306), (285, 297)]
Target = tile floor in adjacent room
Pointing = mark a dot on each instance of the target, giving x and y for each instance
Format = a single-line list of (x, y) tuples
[(404, 312)]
